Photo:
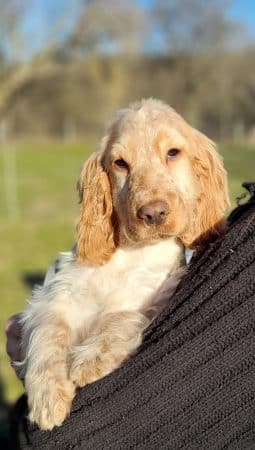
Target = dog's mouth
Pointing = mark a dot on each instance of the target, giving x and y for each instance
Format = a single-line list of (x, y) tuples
[(135, 232), (154, 221)]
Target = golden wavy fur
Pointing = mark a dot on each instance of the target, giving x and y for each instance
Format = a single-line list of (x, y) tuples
[(154, 186), (95, 229)]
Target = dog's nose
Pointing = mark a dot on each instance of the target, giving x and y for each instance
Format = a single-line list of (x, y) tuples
[(154, 212)]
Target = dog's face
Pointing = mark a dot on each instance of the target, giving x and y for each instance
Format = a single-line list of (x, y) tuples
[(152, 180), (161, 177)]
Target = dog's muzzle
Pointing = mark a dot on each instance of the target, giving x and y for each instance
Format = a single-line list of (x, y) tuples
[(154, 213)]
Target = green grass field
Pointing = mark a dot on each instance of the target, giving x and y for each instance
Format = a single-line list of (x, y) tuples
[(43, 220)]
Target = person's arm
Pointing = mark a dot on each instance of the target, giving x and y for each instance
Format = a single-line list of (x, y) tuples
[(13, 338)]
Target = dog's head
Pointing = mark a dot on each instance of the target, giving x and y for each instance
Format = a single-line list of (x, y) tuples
[(154, 176)]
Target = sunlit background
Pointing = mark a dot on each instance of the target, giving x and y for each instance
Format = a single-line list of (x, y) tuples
[(65, 66)]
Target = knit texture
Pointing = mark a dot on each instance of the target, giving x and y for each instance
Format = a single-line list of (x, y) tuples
[(191, 385)]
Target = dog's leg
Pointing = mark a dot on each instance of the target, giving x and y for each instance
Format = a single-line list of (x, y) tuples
[(116, 336), (50, 393)]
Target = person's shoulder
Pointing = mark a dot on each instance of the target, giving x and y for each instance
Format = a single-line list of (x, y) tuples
[(245, 202)]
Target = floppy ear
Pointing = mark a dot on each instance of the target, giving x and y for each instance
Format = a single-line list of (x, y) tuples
[(212, 202), (95, 230)]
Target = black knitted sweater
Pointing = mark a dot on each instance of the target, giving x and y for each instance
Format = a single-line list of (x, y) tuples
[(191, 385)]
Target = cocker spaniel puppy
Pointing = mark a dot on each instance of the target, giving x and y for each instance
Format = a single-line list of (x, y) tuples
[(155, 186)]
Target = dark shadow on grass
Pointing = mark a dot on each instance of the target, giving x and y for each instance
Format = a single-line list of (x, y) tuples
[(4, 418), (32, 279)]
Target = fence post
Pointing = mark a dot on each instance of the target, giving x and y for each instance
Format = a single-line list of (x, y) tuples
[(9, 174)]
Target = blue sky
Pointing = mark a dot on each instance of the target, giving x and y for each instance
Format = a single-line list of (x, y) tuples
[(43, 13), (244, 11), (40, 17), (241, 10)]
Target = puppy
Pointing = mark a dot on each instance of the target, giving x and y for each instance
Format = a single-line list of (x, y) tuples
[(155, 186)]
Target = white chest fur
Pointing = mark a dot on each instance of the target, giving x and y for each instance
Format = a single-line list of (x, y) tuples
[(132, 280), (128, 282)]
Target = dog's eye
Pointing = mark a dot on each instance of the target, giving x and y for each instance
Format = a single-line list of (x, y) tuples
[(173, 153), (121, 163)]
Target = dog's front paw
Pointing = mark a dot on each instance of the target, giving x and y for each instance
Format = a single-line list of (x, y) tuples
[(83, 372), (50, 403)]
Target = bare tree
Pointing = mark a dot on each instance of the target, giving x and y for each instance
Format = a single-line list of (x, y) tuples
[(20, 66), (115, 26), (11, 33), (192, 25)]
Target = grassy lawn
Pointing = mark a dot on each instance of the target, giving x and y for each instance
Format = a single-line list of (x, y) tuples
[(46, 212)]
